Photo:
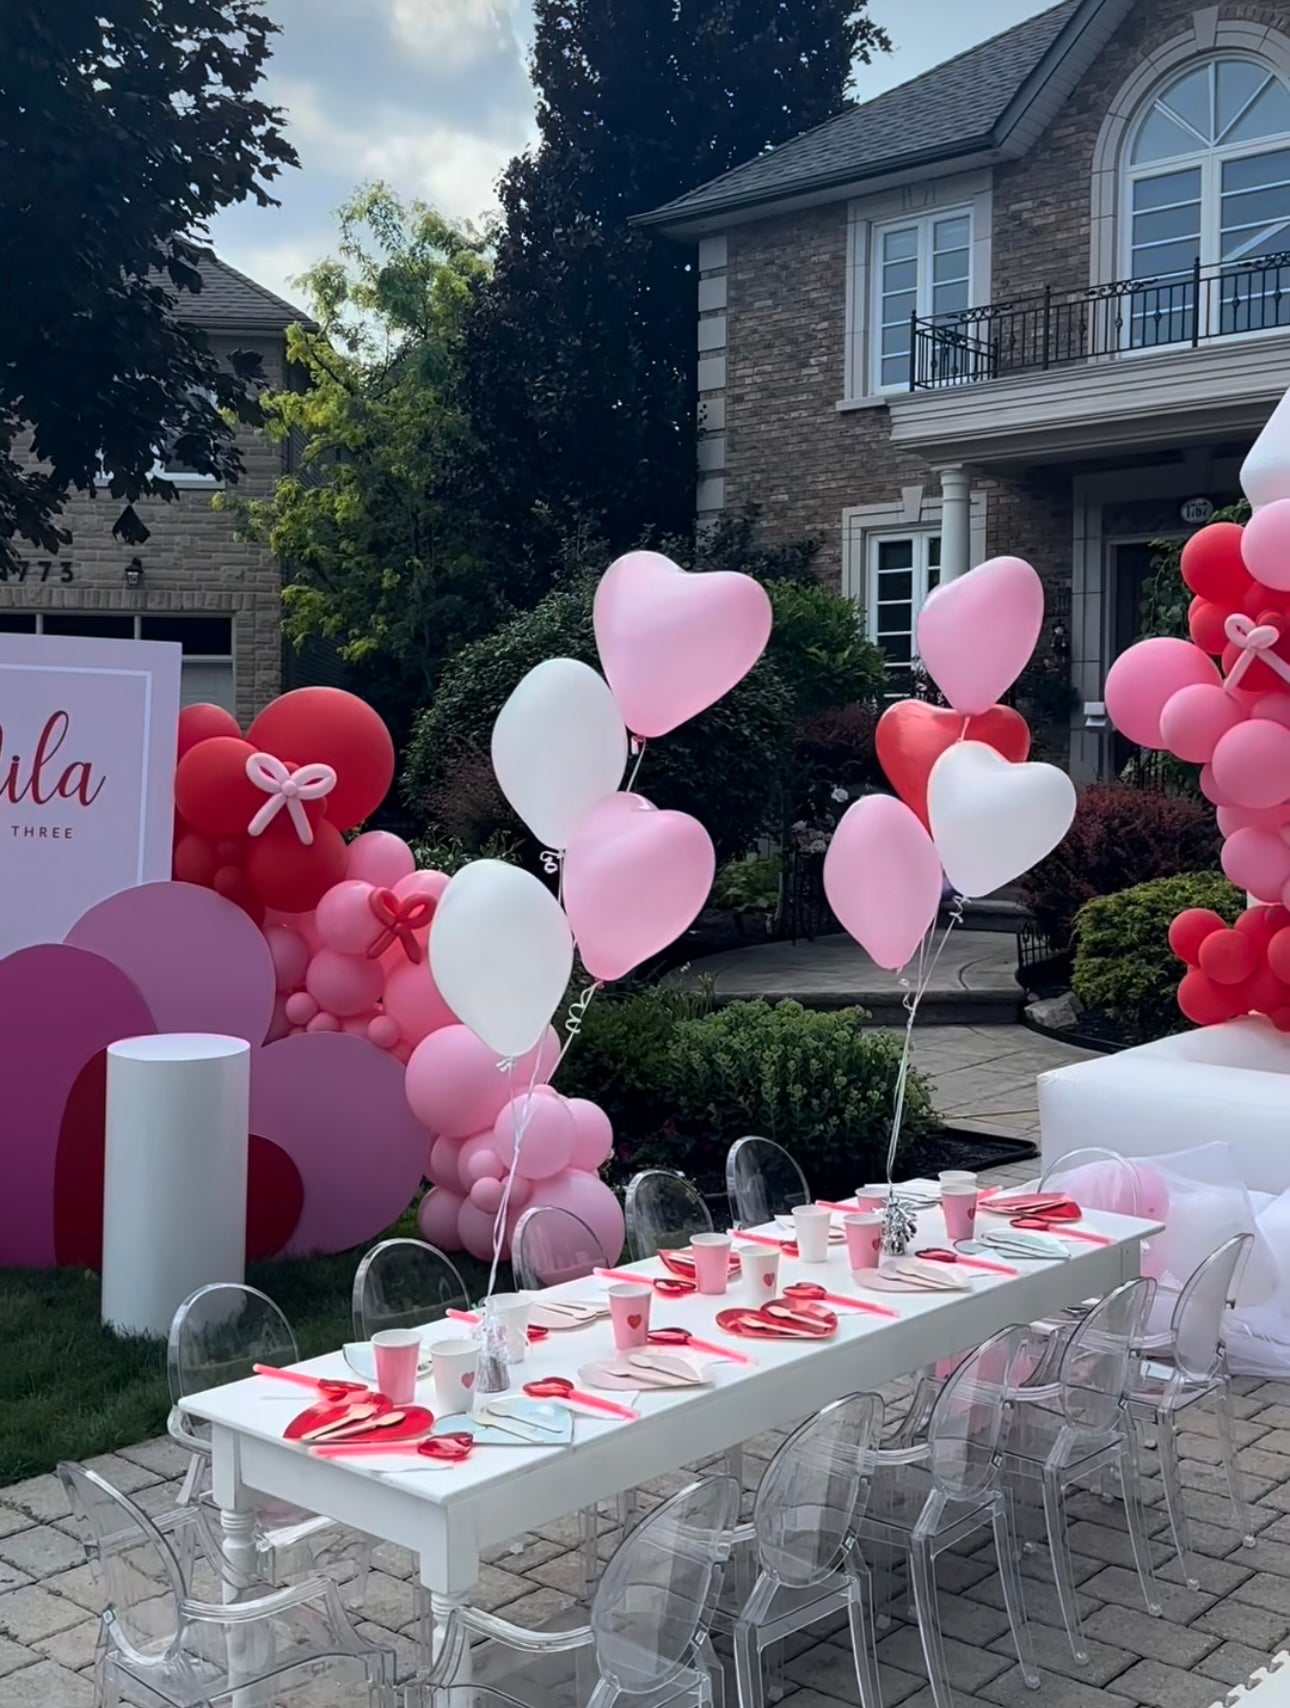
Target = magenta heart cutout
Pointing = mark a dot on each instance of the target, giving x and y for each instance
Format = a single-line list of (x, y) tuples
[(768, 1282), (877, 1245), (468, 1380), (635, 879), (672, 643), (635, 1320)]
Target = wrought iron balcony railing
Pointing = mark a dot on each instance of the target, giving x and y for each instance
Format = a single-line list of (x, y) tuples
[(1052, 329)]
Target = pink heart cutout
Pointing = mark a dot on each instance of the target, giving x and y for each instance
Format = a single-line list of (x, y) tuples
[(468, 1380), (672, 643), (635, 1320)]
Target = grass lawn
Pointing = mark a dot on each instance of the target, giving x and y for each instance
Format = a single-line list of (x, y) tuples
[(70, 1388)]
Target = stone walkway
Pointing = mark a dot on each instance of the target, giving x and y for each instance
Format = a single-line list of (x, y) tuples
[(983, 1077), (1208, 1639)]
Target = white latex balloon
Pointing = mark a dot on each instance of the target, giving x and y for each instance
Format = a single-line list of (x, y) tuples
[(1265, 473), (992, 820), (501, 954), (559, 747)]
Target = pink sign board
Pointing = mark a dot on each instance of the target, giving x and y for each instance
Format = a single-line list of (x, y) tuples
[(87, 766)]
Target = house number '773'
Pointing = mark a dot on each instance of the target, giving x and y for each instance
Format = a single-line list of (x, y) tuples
[(43, 569)]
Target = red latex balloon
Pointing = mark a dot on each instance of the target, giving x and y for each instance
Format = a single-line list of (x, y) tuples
[(1262, 994), (911, 736), (1205, 622), (204, 723), (195, 861), (1203, 1002), (1190, 930), (1279, 954), (1228, 957), (1258, 924), (212, 790), (292, 876), (330, 727), (1281, 1019), (1212, 564)]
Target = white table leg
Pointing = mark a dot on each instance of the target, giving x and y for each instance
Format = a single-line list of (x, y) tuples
[(451, 1658), (237, 1536)]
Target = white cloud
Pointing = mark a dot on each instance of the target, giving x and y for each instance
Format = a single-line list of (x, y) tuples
[(275, 265), (452, 34)]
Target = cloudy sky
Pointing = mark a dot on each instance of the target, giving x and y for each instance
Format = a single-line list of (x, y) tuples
[(434, 97)]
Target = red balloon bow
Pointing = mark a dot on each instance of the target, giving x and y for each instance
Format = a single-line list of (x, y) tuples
[(401, 917)]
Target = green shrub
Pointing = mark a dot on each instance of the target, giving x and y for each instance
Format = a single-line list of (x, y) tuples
[(1125, 971), (819, 647), (620, 1060), (749, 884)]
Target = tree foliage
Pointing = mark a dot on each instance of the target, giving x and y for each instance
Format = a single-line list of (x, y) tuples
[(383, 558), (124, 126), (581, 348)]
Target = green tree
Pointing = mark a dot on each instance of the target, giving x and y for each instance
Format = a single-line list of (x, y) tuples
[(383, 556), (1165, 595), (581, 347), (124, 126)]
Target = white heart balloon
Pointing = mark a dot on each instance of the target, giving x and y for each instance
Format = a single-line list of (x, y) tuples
[(501, 954), (1265, 473), (993, 820), (559, 747)]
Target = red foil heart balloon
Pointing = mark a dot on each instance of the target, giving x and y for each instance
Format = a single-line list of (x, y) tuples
[(911, 736)]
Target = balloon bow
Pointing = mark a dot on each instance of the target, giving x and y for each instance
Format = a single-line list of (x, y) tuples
[(289, 789), (1256, 641), (400, 917)]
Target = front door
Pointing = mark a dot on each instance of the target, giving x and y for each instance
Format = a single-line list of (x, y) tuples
[(1132, 569)]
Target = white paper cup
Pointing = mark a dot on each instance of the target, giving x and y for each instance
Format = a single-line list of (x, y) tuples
[(758, 1275), (811, 1226), (512, 1311), (452, 1367)]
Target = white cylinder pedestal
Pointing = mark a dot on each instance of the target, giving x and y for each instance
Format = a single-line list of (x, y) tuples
[(174, 1179)]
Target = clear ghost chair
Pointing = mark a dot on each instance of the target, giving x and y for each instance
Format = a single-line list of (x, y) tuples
[(805, 1516), (1185, 1366), (404, 1283), (1072, 1430), (762, 1182), (926, 1497), (159, 1644), (648, 1633), (218, 1335), (550, 1246), (663, 1210), (1102, 1180)]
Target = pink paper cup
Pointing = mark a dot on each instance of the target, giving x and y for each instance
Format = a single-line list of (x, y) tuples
[(397, 1352), (864, 1238), (711, 1253), (959, 1206), (872, 1197), (629, 1314)]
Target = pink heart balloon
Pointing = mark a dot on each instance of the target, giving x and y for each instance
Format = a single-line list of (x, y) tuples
[(672, 644), (883, 878), (976, 634), (635, 878)]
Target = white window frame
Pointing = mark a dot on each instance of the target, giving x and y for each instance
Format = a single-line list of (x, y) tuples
[(920, 539), (137, 617), (923, 221)]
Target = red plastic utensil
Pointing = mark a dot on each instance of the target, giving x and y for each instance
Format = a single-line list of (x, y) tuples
[(787, 1246), (935, 1254), (666, 1286), (448, 1449), (561, 1388), (535, 1334), (683, 1337), (838, 1209), (812, 1290), (1056, 1225), (330, 1388)]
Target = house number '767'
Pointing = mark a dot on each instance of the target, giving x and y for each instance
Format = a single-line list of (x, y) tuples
[(43, 569)]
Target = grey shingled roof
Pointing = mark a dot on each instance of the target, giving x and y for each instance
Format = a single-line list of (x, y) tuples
[(228, 299), (949, 110)]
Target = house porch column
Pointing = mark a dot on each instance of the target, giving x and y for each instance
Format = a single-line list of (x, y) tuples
[(956, 522)]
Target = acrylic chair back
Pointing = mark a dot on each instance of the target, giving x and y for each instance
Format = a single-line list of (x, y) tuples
[(142, 1583), (664, 1210), (657, 1593), (404, 1283), (1099, 1179), (762, 1181), (551, 1245), (219, 1333), (967, 1423), (813, 1493), (1094, 1369), (1198, 1316)]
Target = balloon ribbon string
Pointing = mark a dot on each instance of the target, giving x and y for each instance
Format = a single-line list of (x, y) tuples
[(926, 968), (640, 760)]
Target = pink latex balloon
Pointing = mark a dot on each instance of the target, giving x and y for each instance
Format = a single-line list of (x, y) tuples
[(384, 1032), (976, 634), (1257, 861), (413, 1002), (521, 1191), (437, 1216), (290, 956), (454, 1084), (1232, 819), (1265, 545), (548, 1136), (883, 878), (1252, 763), (428, 884), (300, 1008), (478, 1160), (1210, 789), (635, 879), (672, 644), (280, 1025), (303, 924), (380, 858), (475, 1232), (358, 1025), (323, 1022), (1144, 679), (1195, 719), (344, 984), (486, 1195), (1273, 706), (345, 919), (593, 1140), (586, 1196), (443, 1163)]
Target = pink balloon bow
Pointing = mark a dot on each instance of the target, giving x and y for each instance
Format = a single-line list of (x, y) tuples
[(288, 789), (401, 916), (1256, 641)]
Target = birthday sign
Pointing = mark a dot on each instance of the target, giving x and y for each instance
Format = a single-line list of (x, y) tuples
[(87, 762)]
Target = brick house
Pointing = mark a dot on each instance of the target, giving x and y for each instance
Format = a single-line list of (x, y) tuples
[(1034, 301), (191, 581)]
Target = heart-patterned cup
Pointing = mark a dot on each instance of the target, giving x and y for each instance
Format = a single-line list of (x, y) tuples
[(759, 1274), (864, 1238), (629, 1303), (452, 1365)]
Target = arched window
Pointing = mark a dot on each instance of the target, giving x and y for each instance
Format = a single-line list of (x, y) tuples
[(1208, 185)]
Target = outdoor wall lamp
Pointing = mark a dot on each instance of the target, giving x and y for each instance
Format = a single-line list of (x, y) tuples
[(134, 573)]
